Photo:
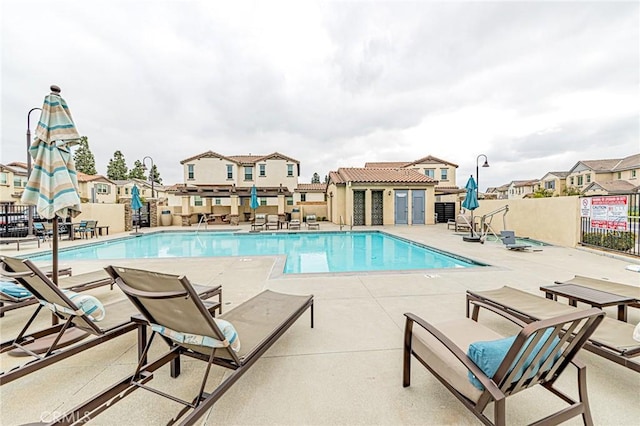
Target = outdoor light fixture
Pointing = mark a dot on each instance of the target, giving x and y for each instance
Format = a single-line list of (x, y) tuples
[(30, 208), (150, 172), (486, 164)]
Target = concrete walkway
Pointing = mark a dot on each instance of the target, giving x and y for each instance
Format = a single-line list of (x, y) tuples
[(345, 371)]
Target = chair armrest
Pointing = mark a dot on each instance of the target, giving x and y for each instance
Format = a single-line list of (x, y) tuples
[(488, 383)]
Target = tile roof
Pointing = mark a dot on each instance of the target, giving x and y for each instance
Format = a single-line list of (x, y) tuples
[(312, 187), (614, 186), (601, 165), (429, 159), (82, 177), (379, 175), (387, 165), (240, 159), (630, 162)]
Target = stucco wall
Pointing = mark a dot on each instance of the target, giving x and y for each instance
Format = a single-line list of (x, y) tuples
[(111, 215), (555, 220)]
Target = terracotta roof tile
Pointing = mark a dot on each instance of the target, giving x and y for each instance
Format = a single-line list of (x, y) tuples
[(382, 175), (312, 187)]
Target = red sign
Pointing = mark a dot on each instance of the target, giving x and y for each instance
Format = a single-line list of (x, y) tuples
[(609, 212)]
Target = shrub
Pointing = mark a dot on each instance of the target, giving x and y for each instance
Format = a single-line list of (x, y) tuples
[(614, 240)]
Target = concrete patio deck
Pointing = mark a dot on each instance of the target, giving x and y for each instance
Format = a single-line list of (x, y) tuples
[(345, 371)]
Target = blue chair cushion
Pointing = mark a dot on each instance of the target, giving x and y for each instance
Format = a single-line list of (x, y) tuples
[(14, 290), (489, 355)]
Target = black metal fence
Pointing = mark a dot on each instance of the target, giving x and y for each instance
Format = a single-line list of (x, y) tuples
[(614, 225)]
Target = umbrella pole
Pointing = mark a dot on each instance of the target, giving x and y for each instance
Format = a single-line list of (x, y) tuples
[(54, 256)]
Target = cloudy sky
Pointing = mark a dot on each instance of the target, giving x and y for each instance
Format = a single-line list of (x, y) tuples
[(536, 86)]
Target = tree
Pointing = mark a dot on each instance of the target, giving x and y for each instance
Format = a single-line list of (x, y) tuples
[(154, 175), (84, 159), (326, 179), (315, 178), (570, 191), (117, 168), (137, 172)]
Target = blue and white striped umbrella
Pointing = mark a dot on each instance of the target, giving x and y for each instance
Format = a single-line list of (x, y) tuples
[(53, 183)]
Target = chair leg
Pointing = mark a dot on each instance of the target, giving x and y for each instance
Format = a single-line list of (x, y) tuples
[(584, 396), (406, 361)]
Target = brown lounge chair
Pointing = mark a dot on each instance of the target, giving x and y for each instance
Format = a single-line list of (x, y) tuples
[(66, 339), (76, 283), (272, 222), (259, 222), (613, 340), (539, 354), (257, 323)]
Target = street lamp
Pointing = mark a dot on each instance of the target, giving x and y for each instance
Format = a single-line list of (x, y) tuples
[(486, 164), (29, 208), (150, 172)]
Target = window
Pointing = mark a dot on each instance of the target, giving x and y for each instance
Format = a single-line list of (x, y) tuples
[(17, 182), (263, 170), (218, 201), (197, 200), (430, 173), (619, 175), (289, 201), (289, 170), (3, 178), (303, 197), (633, 173), (248, 173), (126, 191), (102, 188), (443, 174), (190, 171), (263, 201), (580, 180), (550, 185), (588, 178), (229, 171)]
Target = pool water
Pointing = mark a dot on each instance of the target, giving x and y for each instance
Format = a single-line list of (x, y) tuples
[(306, 252)]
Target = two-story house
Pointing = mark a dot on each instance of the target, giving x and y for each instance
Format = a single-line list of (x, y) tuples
[(96, 189), (613, 176), (554, 182), (221, 185), (124, 187), (522, 188), (13, 180)]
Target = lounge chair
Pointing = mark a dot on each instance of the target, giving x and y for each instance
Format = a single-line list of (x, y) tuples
[(460, 223), (75, 283), (294, 224), (259, 222), (479, 366), (613, 340), (254, 326), (608, 286), (18, 241), (272, 222), (72, 335), (312, 223), (509, 240)]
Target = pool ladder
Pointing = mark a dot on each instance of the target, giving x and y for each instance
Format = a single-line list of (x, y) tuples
[(202, 219)]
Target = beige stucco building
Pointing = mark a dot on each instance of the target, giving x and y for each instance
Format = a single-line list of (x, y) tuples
[(380, 196), (96, 189), (13, 180)]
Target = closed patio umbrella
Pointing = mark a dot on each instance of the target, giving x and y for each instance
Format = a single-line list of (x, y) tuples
[(254, 199), (471, 203), (53, 184), (136, 203)]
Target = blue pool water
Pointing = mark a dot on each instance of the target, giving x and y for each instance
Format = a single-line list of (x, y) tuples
[(306, 252)]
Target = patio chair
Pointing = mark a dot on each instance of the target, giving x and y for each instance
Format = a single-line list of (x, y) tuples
[(234, 340), (480, 367), (89, 229), (294, 224), (613, 340), (259, 222), (272, 222), (40, 231), (312, 223), (76, 283), (73, 334), (509, 240)]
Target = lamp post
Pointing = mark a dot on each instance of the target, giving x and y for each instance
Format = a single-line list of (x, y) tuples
[(486, 164), (150, 173), (30, 208)]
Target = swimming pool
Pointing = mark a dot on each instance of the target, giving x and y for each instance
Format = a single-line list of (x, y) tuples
[(306, 252)]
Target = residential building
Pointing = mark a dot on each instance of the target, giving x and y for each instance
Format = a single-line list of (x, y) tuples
[(554, 182), (607, 173), (123, 189), (218, 184), (380, 196), (96, 189), (13, 180)]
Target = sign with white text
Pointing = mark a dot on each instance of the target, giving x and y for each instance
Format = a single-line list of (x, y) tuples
[(609, 212)]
